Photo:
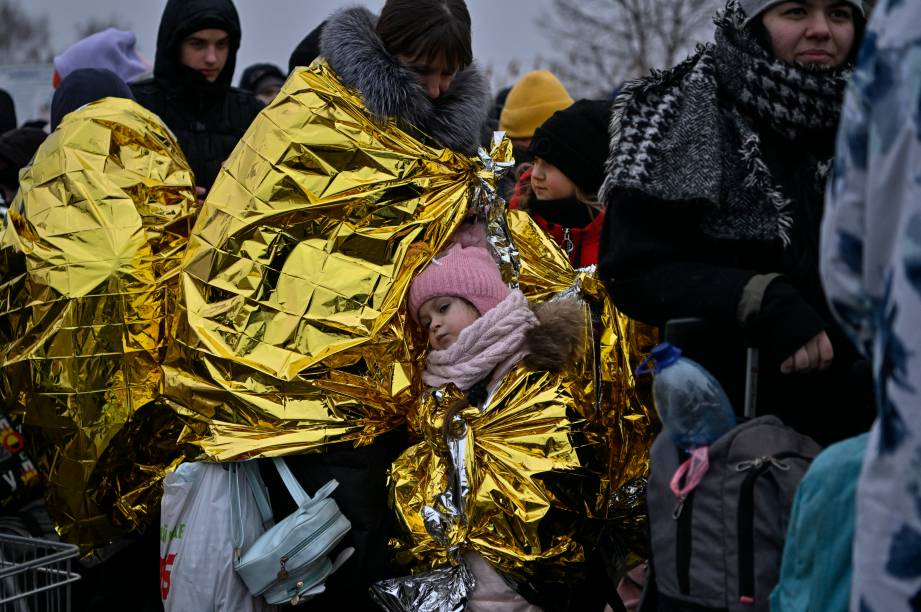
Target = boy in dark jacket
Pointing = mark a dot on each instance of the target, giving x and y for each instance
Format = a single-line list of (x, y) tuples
[(196, 53)]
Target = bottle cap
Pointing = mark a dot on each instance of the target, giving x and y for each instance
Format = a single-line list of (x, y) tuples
[(662, 356)]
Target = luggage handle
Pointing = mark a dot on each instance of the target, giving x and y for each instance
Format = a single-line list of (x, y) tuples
[(751, 382), (250, 472)]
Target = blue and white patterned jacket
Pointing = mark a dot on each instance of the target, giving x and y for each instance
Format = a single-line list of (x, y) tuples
[(871, 269)]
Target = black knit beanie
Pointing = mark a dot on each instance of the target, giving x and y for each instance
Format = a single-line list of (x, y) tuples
[(7, 112), (575, 140)]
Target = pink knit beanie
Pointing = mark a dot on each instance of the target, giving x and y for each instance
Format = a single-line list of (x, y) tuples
[(465, 272)]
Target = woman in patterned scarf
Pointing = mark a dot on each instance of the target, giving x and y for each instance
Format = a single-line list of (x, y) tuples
[(715, 192)]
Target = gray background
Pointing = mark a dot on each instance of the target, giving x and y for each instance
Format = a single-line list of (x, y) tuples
[(504, 31)]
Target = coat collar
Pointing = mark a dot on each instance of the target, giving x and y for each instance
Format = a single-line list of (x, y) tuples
[(353, 49)]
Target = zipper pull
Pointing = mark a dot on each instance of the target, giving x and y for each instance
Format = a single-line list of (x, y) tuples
[(283, 572), (567, 242), (297, 595), (679, 508)]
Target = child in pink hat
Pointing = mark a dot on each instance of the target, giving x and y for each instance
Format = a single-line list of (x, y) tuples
[(478, 330)]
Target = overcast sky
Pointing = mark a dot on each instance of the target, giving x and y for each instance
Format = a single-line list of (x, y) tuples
[(503, 30)]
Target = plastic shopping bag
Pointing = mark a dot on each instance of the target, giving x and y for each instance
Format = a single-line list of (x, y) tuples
[(196, 547)]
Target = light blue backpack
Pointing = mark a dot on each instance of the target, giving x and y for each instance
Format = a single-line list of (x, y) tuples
[(290, 562)]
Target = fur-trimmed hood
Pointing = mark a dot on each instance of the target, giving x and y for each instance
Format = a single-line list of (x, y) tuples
[(558, 338), (353, 49)]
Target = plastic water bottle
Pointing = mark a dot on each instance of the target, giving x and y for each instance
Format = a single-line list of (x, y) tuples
[(692, 405)]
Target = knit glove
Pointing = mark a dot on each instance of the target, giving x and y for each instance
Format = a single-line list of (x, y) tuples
[(785, 321)]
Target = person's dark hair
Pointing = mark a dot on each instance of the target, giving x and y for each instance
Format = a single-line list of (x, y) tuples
[(427, 30), (761, 34)]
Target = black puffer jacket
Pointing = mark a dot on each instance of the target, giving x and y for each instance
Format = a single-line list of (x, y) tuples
[(207, 118)]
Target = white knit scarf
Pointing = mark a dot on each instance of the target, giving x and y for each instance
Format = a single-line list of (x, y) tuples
[(495, 339)]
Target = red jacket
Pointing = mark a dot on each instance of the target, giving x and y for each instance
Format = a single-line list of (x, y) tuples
[(580, 242)]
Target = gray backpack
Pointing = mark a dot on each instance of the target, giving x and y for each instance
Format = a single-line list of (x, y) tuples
[(720, 547)]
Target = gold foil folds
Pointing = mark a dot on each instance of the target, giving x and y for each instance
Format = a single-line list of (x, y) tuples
[(293, 334), (90, 255)]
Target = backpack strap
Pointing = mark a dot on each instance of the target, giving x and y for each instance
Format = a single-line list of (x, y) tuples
[(301, 498), (341, 558), (250, 471)]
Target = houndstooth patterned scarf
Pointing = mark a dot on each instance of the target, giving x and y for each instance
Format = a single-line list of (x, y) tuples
[(687, 133)]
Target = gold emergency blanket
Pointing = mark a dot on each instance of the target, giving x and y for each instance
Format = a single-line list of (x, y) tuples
[(90, 256), (293, 335), (484, 486), (617, 407), (550, 456)]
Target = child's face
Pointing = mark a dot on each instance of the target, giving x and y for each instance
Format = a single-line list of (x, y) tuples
[(444, 318), (549, 183)]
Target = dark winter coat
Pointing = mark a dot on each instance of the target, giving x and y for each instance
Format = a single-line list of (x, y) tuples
[(715, 189), (659, 265), (207, 118), (16, 150), (307, 50)]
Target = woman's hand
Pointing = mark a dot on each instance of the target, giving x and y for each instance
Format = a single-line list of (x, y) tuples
[(817, 354)]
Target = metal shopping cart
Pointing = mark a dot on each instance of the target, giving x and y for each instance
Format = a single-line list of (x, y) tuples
[(35, 575)]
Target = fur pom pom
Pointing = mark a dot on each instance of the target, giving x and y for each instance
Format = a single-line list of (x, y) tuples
[(558, 339)]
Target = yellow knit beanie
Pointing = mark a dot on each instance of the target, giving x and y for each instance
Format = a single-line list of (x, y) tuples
[(532, 100)]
